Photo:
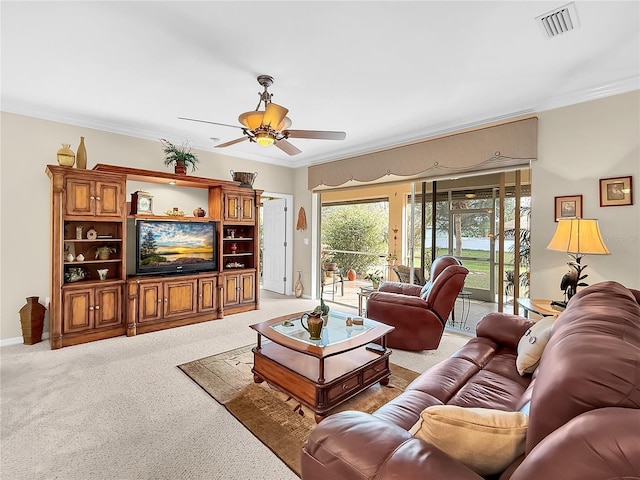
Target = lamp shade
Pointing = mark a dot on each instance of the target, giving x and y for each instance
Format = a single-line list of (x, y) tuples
[(273, 115), (258, 118), (251, 120), (579, 236)]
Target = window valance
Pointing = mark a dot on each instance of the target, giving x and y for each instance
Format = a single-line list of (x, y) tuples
[(506, 145)]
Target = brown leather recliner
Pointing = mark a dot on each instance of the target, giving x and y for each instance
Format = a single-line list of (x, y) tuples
[(419, 314)]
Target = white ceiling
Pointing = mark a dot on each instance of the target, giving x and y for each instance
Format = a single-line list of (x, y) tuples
[(385, 72)]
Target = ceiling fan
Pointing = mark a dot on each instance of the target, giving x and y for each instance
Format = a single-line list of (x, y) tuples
[(270, 126)]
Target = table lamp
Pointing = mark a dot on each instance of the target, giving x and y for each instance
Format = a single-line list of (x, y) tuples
[(578, 237)]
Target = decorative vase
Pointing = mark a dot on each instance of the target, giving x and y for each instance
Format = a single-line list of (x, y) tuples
[(299, 288), (234, 247), (81, 156), (32, 321), (351, 274), (180, 168), (66, 157), (314, 324), (199, 212)]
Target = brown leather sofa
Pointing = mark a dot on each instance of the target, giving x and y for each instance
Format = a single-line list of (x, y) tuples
[(582, 401), (419, 313)]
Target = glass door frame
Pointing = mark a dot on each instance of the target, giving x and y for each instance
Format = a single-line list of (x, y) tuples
[(489, 294)]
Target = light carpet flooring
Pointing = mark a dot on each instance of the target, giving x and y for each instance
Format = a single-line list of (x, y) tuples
[(121, 409)]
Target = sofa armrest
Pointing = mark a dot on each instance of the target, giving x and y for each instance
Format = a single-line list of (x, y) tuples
[(601, 443), (503, 328), (401, 288), (356, 445)]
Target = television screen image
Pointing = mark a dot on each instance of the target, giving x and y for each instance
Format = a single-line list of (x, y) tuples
[(175, 246)]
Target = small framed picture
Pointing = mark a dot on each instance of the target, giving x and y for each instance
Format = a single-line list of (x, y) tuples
[(615, 191), (568, 207)]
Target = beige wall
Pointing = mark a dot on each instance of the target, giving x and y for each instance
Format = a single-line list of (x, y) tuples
[(29, 144), (303, 251), (577, 145)]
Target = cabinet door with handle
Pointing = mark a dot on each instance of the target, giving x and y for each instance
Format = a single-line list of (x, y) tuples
[(231, 290), (247, 208), (150, 301), (207, 294), (248, 291), (107, 309), (108, 199), (180, 297), (231, 207), (79, 197), (78, 310)]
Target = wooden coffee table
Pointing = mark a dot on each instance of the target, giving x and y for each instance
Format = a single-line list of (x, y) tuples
[(320, 374)]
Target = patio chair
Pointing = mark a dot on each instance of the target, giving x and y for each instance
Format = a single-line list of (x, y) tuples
[(334, 278), (404, 274)]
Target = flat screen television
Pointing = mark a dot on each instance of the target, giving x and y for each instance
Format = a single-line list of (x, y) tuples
[(175, 246)]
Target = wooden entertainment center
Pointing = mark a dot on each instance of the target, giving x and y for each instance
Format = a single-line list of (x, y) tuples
[(89, 212)]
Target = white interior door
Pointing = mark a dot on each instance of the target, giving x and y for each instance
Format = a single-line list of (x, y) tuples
[(274, 254)]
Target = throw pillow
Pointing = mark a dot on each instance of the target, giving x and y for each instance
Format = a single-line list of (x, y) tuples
[(531, 345), (487, 441)]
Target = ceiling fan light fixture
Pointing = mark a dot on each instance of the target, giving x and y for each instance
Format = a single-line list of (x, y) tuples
[(251, 120), (271, 125), (274, 114), (284, 124), (265, 139)]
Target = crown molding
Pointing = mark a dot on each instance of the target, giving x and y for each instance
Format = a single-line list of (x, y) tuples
[(526, 108)]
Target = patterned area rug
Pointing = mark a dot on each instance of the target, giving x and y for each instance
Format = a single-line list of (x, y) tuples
[(276, 419)]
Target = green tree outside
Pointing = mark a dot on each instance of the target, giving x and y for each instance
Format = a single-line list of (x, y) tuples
[(356, 228)]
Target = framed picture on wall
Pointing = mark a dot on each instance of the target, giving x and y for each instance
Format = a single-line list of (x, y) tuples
[(615, 191), (568, 207)]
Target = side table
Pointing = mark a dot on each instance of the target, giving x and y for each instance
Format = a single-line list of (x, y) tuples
[(363, 294), (465, 297), (539, 306)]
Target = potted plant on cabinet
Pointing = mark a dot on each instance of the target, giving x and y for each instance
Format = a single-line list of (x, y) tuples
[(180, 157)]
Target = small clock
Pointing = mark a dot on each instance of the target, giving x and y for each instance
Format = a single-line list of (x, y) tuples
[(141, 203), (92, 234)]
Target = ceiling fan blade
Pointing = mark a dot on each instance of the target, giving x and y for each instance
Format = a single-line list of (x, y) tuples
[(206, 121), (322, 135), (232, 142), (273, 115), (287, 147)]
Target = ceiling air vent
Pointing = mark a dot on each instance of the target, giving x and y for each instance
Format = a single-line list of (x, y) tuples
[(558, 21)]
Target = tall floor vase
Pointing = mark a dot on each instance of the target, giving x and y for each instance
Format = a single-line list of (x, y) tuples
[(32, 320)]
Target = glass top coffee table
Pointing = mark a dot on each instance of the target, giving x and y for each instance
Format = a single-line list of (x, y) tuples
[(321, 374)]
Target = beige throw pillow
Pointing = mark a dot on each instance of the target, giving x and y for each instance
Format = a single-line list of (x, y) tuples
[(487, 441), (531, 345)]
